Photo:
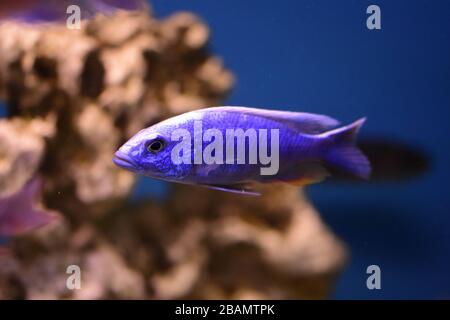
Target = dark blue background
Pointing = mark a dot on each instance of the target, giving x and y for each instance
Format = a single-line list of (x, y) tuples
[(318, 56)]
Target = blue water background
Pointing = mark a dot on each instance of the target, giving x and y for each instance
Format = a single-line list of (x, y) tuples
[(318, 56)]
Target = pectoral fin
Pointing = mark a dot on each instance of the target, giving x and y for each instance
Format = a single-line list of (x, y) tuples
[(235, 188)]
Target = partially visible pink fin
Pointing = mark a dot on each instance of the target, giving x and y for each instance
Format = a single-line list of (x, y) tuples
[(21, 212), (43, 11), (108, 6)]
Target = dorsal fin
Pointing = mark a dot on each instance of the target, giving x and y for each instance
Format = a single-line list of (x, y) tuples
[(308, 123)]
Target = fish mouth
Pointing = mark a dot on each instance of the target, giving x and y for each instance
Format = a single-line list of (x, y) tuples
[(124, 161)]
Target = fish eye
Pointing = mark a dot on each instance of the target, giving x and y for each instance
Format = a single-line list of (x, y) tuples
[(155, 145)]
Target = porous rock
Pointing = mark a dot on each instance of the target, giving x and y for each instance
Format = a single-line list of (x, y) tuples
[(74, 96)]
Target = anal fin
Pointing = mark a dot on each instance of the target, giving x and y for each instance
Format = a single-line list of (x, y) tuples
[(309, 174)]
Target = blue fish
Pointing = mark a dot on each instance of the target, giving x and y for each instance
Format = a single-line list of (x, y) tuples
[(234, 148), (56, 10)]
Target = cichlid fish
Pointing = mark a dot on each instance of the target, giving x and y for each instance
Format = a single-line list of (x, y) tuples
[(57, 10), (231, 148)]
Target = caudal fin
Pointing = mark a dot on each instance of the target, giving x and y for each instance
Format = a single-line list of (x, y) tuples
[(342, 152)]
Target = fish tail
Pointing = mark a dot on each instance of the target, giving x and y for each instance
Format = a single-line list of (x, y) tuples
[(343, 154)]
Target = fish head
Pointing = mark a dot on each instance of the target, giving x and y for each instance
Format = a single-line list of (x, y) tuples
[(149, 153)]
